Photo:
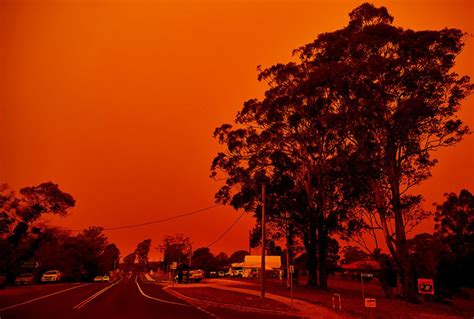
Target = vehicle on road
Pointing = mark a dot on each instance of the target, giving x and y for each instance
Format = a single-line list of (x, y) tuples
[(221, 274), (212, 274), (104, 278), (196, 275), (52, 276), (25, 279)]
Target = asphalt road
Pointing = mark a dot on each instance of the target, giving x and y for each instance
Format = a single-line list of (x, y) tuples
[(128, 297)]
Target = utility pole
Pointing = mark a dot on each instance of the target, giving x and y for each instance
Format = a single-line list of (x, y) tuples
[(250, 242), (190, 255), (262, 270)]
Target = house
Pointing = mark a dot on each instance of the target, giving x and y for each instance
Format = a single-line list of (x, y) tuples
[(355, 269)]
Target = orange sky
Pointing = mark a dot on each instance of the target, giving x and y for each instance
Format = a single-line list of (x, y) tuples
[(116, 101)]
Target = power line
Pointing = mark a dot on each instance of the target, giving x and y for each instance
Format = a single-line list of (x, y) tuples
[(158, 220), (227, 230)]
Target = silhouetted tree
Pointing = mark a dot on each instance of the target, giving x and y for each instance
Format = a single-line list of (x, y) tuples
[(143, 248), (175, 248), (129, 261), (222, 260), (19, 214), (352, 254), (109, 258), (204, 259), (400, 99), (455, 229), (238, 256), (357, 115)]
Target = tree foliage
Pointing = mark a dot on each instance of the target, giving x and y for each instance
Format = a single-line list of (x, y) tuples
[(21, 235), (204, 259), (238, 256), (352, 254), (349, 125), (175, 248), (455, 230)]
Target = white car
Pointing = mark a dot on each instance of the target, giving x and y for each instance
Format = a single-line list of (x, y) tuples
[(98, 279), (51, 276)]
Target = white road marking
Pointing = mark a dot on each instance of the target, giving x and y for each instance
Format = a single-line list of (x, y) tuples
[(86, 301), (160, 300), (171, 302), (207, 312), (42, 297)]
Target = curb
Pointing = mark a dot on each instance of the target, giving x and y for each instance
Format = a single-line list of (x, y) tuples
[(228, 306)]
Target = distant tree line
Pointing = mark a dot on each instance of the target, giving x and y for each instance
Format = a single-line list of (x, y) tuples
[(178, 248), (343, 134), (24, 240)]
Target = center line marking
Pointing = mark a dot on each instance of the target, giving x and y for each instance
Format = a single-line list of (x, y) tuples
[(86, 301)]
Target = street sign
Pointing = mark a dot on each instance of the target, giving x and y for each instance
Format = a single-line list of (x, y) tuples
[(370, 303), (174, 265), (30, 264), (425, 286), (292, 269)]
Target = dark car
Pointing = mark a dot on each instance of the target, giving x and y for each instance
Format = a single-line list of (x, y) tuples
[(3, 280), (24, 279)]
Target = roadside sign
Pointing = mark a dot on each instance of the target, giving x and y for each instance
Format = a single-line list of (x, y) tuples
[(425, 286), (174, 265), (370, 303), (30, 264), (292, 269)]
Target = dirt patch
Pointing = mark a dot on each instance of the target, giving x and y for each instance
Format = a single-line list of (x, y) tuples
[(232, 298), (352, 303)]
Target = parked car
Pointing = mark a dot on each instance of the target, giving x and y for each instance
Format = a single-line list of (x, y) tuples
[(212, 274), (25, 279), (221, 274), (52, 276), (235, 272)]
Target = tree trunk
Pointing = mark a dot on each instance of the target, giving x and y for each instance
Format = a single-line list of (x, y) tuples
[(310, 241), (408, 289), (322, 256)]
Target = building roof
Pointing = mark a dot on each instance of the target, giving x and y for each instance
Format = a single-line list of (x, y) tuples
[(254, 261), (362, 265)]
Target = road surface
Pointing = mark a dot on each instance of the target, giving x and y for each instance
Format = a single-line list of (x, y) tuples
[(128, 297)]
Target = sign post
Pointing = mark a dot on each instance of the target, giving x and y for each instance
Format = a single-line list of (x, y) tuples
[(292, 270), (174, 266), (426, 287), (362, 275)]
